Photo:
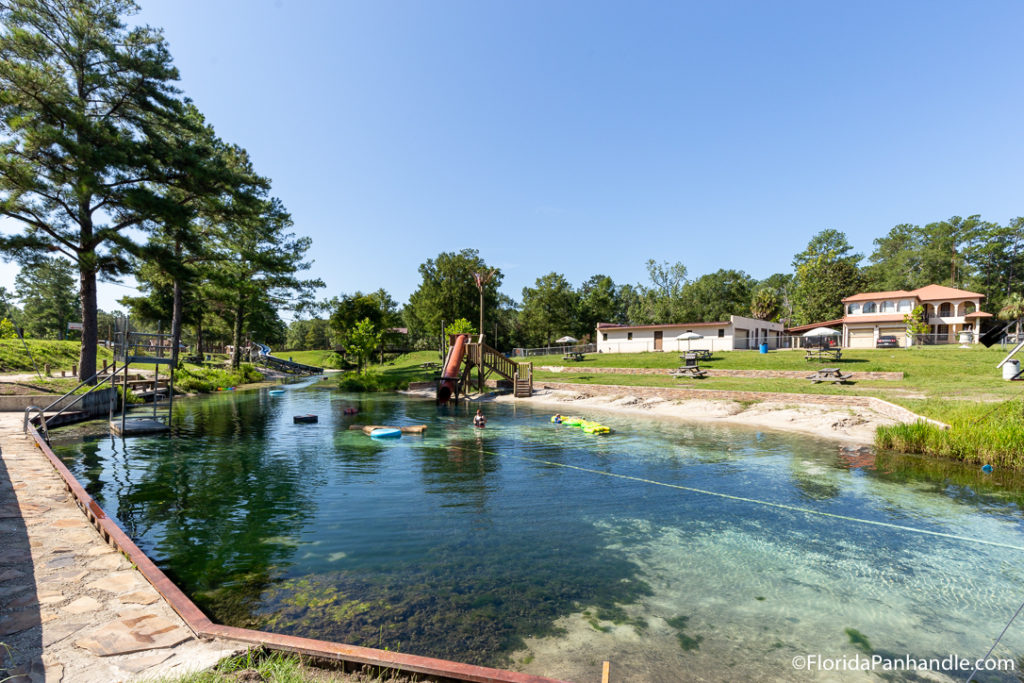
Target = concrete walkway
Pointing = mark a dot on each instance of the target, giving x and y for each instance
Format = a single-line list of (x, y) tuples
[(71, 607)]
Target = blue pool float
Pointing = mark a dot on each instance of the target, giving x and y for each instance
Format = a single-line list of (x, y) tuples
[(386, 433), (276, 392)]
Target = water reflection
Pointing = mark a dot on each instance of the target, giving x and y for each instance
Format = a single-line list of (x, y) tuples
[(471, 544)]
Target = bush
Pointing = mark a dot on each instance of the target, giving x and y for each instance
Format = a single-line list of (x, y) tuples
[(372, 381), (200, 380)]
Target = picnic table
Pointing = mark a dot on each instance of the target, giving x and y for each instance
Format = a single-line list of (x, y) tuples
[(823, 354), (574, 355), (701, 354), (694, 371), (690, 367), (430, 366), (833, 375)]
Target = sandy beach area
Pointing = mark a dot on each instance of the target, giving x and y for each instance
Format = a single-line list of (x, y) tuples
[(846, 423)]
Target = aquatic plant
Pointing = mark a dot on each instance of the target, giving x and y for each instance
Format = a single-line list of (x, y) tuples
[(859, 640), (980, 433)]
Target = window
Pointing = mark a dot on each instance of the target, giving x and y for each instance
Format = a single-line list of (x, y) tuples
[(945, 310), (629, 336), (888, 306), (604, 336), (870, 307), (721, 332), (853, 309), (906, 306)]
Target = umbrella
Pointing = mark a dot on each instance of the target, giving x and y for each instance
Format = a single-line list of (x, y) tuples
[(689, 336), (566, 340), (821, 332)]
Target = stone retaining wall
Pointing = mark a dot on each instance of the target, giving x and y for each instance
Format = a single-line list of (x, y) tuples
[(881, 407), (93, 404), (715, 372)]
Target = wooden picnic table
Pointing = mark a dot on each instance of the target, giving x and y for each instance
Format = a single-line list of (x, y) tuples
[(701, 354), (834, 375), (574, 356), (694, 371), (823, 354)]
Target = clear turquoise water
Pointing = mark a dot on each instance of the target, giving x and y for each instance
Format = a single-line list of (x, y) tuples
[(532, 545)]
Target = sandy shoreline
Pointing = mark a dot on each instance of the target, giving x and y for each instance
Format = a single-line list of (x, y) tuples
[(846, 423), (850, 424)]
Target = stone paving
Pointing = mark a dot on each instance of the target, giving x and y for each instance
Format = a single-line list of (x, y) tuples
[(71, 607)]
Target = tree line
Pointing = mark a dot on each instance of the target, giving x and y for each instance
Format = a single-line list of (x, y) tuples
[(965, 253), (107, 168)]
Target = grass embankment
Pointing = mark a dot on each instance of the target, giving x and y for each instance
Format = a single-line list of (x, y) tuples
[(320, 359), (59, 355), (393, 375)]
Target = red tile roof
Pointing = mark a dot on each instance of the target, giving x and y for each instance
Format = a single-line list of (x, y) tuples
[(874, 296), (978, 314), (928, 293), (932, 292), (882, 318)]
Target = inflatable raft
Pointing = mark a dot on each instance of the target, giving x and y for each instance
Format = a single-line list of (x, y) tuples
[(588, 426)]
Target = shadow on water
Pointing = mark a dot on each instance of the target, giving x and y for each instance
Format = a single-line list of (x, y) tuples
[(21, 644)]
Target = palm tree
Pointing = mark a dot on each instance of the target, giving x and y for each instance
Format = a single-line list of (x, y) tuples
[(1013, 309)]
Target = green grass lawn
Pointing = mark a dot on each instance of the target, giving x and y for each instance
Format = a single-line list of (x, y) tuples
[(960, 387), (59, 355), (936, 379), (320, 359)]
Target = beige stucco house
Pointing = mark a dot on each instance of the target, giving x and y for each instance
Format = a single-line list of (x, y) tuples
[(949, 312), (736, 333)]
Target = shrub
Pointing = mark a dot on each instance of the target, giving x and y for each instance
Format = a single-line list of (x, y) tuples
[(372, 381), (200, 380)]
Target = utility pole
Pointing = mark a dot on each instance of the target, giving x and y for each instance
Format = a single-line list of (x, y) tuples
[(481, 281)]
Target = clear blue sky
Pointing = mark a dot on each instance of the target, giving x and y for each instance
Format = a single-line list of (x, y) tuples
[(587, 137)]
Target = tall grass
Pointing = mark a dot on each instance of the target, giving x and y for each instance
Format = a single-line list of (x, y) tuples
[(979, 433)]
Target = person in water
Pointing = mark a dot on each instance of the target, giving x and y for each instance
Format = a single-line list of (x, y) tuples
[(479, 420), (558, 418)]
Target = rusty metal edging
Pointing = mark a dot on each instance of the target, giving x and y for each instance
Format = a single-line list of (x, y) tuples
[(202, 626)]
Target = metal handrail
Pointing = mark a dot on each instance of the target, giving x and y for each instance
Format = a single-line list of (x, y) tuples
[(42, 411), (42, 421)]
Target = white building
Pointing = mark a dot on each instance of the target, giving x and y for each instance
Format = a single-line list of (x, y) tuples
[(738, 333), (952, 316)]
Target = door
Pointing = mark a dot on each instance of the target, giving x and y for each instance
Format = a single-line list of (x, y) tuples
[(862, 339), (657, 339)]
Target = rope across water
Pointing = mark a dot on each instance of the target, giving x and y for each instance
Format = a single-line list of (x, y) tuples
[(766, 503)]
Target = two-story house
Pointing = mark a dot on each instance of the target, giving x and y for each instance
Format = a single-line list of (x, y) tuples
[(948, 312)]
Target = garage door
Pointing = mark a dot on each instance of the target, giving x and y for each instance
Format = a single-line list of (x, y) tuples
[(862, 339), (899, 332)]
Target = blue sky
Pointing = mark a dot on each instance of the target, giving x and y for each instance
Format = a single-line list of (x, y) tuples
[(587, 137)]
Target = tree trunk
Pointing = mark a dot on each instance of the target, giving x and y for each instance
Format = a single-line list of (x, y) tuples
[(236, 353), (199, 337), (176, 323), (87, 355)]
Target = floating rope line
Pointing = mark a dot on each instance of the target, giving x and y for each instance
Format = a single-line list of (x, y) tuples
[(989, 653), (766, 503)]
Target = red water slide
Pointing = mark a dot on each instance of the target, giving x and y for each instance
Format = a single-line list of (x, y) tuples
[(450, 373)]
